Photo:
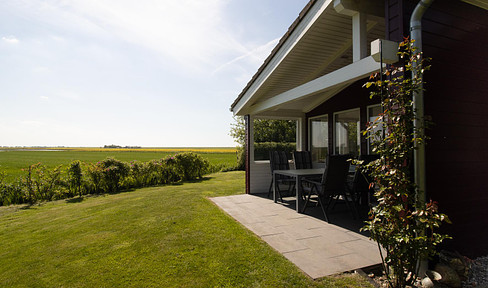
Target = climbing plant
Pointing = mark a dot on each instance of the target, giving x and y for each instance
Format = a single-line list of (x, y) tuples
[(401, 223)]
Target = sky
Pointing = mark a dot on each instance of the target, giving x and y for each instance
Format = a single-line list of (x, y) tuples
[(151, 73)]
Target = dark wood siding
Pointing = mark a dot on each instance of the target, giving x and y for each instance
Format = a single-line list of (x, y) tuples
[(455, 37), (394, 20), (354, 96)]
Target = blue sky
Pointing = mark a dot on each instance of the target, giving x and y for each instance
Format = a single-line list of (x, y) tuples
[(159, 73)]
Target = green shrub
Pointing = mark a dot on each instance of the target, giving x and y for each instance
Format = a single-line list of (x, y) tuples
[(95, 179), (113, 173), (75, 178), (41, 183), (167, 171), (5, 196), (261, 150), (143, 174), (241, 158), (10, 193), (137, 173), (190, 166), (109, 175)]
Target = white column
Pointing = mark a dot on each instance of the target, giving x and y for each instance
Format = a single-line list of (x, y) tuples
[(301, 129), (359, 37), (251, 139)]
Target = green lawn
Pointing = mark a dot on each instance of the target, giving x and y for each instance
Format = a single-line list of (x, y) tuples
[(169, 236), (12, 161)]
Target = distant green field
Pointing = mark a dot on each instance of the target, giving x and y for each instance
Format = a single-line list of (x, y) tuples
[(12, 161)]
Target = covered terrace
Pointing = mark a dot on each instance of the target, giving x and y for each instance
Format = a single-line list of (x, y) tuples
[(315, 76)]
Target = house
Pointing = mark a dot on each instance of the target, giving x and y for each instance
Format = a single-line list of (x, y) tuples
[(316, 73)]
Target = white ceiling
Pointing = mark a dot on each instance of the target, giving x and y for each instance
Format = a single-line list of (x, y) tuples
[(324, 47)]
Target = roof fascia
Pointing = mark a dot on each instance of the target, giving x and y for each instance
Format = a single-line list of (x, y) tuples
[(282, 114), (309, 19), (347, 74), (483, 4), (351, 7)]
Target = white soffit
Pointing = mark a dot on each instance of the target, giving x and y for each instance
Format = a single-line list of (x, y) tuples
[(480, 3), (315, 92), (317, 9), (320, 44)]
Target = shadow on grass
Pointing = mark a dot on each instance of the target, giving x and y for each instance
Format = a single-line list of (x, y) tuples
[(203, 179), (94, 195), (29, 206), (75, 200)]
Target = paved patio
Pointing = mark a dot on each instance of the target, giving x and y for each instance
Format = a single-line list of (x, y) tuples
[(315, 246)]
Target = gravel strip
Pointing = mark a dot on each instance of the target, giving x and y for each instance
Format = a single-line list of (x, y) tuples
[(478, 276)]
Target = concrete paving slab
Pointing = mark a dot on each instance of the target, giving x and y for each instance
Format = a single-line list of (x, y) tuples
[(262, 229), (316, 247), (283, 243)]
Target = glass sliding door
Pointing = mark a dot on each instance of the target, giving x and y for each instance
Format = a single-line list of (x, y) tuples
[(319, 138), (347, 132)]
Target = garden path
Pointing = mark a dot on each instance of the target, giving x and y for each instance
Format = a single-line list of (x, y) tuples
[(315, 246)]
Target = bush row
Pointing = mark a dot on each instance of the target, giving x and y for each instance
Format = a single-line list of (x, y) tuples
[(261, 150), (39, 183)]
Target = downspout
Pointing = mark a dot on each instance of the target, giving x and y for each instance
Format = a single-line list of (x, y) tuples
[(418, 105), (418, 99)]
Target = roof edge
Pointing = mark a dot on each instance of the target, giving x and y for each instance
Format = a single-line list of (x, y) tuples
[(283, 39)]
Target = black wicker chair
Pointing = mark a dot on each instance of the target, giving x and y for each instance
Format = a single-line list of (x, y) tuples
[(279, 161), (361, 187), (302, 159), (332, 186)]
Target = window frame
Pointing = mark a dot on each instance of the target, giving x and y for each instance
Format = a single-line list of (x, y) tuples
[(334, 132), (310, 133), (297, 127)]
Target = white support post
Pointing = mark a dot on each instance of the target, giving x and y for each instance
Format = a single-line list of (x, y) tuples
[(251, 138), (301, 128), (359, 36)]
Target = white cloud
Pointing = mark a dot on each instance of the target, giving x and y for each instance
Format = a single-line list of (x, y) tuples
[(40, 69), (44, 98), (68, 94), (188, 32), (255, 56), (10, 39), (32, 123), (190, 36)]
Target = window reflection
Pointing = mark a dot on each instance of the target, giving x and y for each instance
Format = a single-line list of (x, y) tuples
[(347, 132), (319, 138), (376, 134)]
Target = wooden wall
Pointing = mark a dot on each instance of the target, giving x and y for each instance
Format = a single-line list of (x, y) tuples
[(354, 96), (455, 37)]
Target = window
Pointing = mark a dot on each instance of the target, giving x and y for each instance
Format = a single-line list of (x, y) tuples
[(373, 113), (270, 134), (347, 132), (319, 138)]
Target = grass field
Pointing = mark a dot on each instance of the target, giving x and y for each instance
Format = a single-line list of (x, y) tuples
[(13, 160), (169, 236)]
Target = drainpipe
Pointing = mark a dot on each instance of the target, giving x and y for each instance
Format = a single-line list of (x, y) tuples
[(418, 104), (418, 97)]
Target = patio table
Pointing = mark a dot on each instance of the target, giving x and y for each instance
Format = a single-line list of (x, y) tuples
[(298, 174)]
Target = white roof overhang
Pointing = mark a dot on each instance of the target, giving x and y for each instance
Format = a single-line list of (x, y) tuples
[(480, 3), (312, 63), (309, 95)]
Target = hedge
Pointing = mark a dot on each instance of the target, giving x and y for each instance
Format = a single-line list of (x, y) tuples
[(107, 176)]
